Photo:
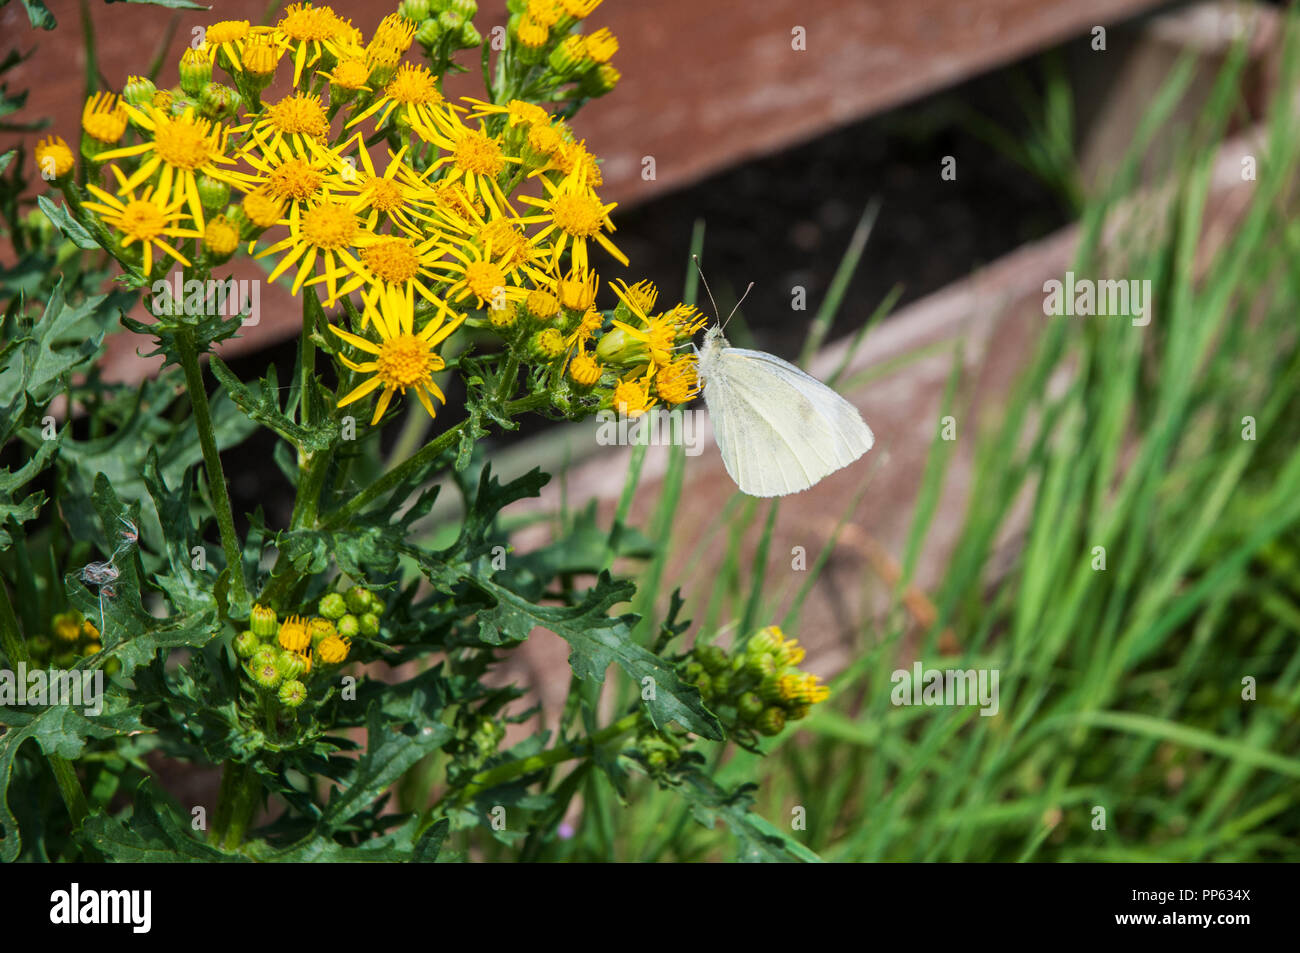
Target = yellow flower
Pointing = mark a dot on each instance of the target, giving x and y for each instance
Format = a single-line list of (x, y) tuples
[(531, 34), (349, 74), (294, 635), (394, 261), (602, 45), (577, 289), (632, 397), (261, 55), (332, 650), (478, 275), (545, 13), (584, 370), (579, 9), (148, 219), (400, 194), (183, 147), (220, 237), (394, 32), (517, 111), (54, 158), (295, 126), (574, 211), (402, 358), (640, 297), (414, 93), (228, 37), (323, 232), (104, 118), (310, 31), (541, 305), (263, 209), (475, 158), (678, 381)]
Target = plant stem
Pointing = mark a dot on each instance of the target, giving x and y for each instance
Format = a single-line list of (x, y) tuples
[(236, 805), (65, 775), (212, 461), (515, 769)]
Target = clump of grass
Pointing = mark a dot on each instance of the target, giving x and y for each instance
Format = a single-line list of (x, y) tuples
[(1127, 689)]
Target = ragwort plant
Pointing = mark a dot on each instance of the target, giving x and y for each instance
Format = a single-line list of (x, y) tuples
[(414, 232)]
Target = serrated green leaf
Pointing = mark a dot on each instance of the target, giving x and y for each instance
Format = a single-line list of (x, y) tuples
[(151, 836), (68, 226)]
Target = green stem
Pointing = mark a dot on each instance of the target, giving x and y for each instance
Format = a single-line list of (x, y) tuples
[(508, 772), (15, 649), (212, 461), (236, 805)]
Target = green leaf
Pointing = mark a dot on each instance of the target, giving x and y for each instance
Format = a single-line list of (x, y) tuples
[(59, 730), (264, 408), (39, 15), (759, 840), (151, 836), (68, 226)]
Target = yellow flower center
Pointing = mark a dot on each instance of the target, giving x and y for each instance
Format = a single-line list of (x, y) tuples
[(545, 13), (504, 238), (302, 22), (385, 195), (452, 195), (295, 179), (142, 220), (406, 360), (350, 74), (220, 236), (542, 305), (544, 140), (484, 279), (677, 382), (577, 214), (53, 154), (584, 370), (478, 153), (413, 86), (394, 31), (184, 142), (528, 113), (299, 114), (392, 259), (531, 34), (630, 398), (227, 31), (330, 225)]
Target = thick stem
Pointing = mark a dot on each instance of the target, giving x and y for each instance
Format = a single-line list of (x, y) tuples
[(212, 461), (236, 805)]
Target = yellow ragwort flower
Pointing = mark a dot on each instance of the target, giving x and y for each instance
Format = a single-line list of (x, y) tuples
[(54, 158), (148, 220), (104, 118), (323, 232), (577, 214), (402, 358), (309, 32)]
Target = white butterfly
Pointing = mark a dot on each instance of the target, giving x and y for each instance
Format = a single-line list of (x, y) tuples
[(779, 430)]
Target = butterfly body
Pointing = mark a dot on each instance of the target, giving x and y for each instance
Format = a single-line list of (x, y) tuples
[(779, 430)]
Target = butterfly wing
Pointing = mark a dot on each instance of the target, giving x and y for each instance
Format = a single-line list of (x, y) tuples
[(779, 430)]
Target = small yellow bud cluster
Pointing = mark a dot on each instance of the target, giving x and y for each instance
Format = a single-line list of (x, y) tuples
[(74, 637), (760, 688)]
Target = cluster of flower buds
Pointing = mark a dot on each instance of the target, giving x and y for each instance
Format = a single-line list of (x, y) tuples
[(759, 687), (442, 23), (477, 738), (281, 655), (74, 637)]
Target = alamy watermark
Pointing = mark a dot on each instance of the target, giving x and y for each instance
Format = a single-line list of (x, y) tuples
[(657, 427), (231, 298), (950, 687), (82, 689), (1084, 297)]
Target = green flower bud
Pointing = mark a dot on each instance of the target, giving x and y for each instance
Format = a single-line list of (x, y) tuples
[(263, 622), (195, 70), (750, 706), (415, 10), (333, 606), (657, 759), (349, 626), (599, 81), (705, 685), (570, 59), (263, 655), (370, 624), (450, 21), (760, 666), (469, 36), (770, 688), (320, 630), (64, 660), (358, 600), (428, 33), (112, 667), (721, 683), (264, 672), (213, 193), (796, 711), (771, 721), (290, 665), (247, 644), (218, 102), (547, 344), (293, 693), (139, 91), (465, 8), (712, 657), (765, 640)]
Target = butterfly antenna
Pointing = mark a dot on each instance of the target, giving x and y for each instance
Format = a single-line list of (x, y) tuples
[(738, 304), (696, 259)]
